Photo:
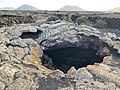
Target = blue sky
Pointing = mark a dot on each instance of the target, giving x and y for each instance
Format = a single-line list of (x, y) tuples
[(91, 5)]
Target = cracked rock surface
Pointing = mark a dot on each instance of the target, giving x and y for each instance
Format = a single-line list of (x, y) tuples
[(21, 51)]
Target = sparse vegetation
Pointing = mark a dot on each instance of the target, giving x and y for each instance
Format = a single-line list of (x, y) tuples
[(109, 21), (52, 18), (84, 20), (36, 17), (66, 18), (100, 23)]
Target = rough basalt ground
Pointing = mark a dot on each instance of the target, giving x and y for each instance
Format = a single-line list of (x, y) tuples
[(9, 20), (21, 51)]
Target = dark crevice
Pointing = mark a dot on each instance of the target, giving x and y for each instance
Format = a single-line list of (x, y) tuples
[(65, 58), (9, 44), (33, 35)]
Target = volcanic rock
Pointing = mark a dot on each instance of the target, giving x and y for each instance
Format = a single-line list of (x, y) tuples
[(22, 48)]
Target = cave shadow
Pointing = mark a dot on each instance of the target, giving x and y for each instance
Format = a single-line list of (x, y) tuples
[(65, 58)]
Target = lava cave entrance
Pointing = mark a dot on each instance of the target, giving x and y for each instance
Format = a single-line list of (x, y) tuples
[(65, 58), (33, 35)]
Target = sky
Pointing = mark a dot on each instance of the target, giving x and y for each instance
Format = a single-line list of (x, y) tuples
[(91, 5)]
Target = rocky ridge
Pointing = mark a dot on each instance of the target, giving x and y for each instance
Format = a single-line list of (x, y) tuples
[(21, 51), (9, 20)]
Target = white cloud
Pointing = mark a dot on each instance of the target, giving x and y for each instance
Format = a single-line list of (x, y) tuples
[(56, 4)]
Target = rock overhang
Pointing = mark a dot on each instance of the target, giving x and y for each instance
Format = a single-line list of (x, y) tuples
[(62, 35), (67, 35), (29, 50)]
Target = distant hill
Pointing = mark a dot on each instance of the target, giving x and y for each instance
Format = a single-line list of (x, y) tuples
[(7, 8), (71, 8), (117, 9), (26, 7)]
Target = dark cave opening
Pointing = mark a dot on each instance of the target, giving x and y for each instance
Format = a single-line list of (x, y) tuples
[(33, 35), (65, 58)]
